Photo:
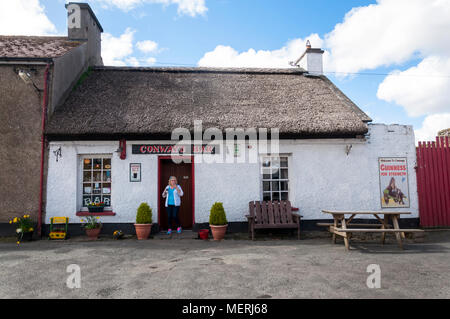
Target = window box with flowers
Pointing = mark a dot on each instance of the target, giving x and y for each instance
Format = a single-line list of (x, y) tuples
[(24, 228), (96, 207)]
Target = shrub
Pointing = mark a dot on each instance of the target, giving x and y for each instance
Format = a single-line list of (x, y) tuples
[(144, 214), (217, 215)]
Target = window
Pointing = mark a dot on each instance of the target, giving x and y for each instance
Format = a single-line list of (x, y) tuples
[(275, 182), (96, 184)]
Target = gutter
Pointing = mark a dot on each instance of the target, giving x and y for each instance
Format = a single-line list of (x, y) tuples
[(44, 114), (25, 59)]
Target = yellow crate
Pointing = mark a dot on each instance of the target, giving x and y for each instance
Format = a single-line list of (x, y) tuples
[(57, 235)]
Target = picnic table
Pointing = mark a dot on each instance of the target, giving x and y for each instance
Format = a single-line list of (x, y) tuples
[(343, 226)]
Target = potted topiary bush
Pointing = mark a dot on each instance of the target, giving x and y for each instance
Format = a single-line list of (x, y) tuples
[(143, 224), (218, 221)]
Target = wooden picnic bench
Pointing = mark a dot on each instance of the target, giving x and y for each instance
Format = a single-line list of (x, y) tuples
[(343, 227), (276, 214)]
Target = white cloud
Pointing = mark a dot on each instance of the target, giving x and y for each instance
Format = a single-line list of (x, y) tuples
[(226, 56), (116, 49), (24, 17), (185, 7), (119, 51), (421, 90), (389, 32), (431, 126), (150, 61), (392, 32), (147, 46)]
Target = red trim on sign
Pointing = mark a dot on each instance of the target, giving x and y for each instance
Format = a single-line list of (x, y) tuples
[(95, 214)]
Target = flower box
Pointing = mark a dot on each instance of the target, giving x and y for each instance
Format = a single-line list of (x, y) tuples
[(96, 209)]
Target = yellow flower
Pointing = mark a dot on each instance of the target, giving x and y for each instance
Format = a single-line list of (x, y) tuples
[(18, 242), (10, 221), (15, 220), (97, 217), (31, 229)]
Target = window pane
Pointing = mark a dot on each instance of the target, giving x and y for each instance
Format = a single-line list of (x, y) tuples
[(106, 163), (97, 163), (284, 186), (266, 186), (87, 189), (97, 176), (275, 162), (87, 163), (275, 186), (106, 189), (106, 176), (107, 200), (86, 200), (266, 196), (275, 174), (266, 162), (87, 176), (284, 173), (276, 196), (284, 162), (97, 198), (266, 173), (97, 188), (284, 196)]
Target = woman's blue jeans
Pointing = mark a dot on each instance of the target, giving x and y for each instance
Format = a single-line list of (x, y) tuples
[(172, 214)]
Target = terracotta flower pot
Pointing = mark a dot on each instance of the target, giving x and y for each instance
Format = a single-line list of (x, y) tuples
[(143, 230), (218, 232), (93, 233)]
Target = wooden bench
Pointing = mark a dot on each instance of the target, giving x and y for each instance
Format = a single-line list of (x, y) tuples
[(267, 214)]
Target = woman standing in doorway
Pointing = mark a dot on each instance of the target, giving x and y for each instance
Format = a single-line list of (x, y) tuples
[(172, 193)]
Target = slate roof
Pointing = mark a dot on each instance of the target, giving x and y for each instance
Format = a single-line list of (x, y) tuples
[(35, 46)]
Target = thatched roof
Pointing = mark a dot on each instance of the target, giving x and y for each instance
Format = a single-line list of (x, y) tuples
[(35, 47), (151, 102)]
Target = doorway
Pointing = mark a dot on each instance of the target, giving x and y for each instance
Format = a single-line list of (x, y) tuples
[(184, 172)]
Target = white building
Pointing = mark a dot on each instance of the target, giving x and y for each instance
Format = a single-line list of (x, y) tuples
[(108, 131)]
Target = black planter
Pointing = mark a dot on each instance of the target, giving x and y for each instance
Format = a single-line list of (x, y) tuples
[(96, 209), (28, 236)]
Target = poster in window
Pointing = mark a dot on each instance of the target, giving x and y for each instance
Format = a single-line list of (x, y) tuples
[(394, 188), (135, 172)]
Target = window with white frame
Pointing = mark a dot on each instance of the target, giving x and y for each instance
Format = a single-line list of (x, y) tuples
[(96, 180), (275, 181)]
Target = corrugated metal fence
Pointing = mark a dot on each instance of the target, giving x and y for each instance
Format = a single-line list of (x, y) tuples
[(433, 182)]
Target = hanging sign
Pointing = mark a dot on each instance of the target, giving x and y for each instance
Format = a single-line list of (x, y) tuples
[(172, 149), (394, 188), (135, 172)]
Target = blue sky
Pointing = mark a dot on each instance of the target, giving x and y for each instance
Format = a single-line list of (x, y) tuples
[(372, 38)]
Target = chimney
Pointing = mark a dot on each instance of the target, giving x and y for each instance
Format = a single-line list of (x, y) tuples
[(83, 26), (311, 60)]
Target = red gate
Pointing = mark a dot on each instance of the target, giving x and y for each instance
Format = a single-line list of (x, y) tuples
[(433, 182)]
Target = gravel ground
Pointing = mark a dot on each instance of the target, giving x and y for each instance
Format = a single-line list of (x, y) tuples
[(234, 268)]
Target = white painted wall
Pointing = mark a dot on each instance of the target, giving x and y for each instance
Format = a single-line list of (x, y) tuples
[(322, 176)]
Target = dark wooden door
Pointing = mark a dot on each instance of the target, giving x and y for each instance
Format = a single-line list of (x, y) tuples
[(183, 173)]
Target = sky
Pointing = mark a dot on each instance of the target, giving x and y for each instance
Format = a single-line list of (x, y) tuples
[(391, 57)]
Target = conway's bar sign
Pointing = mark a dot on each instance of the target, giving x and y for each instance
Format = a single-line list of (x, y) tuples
[(172, 149)]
